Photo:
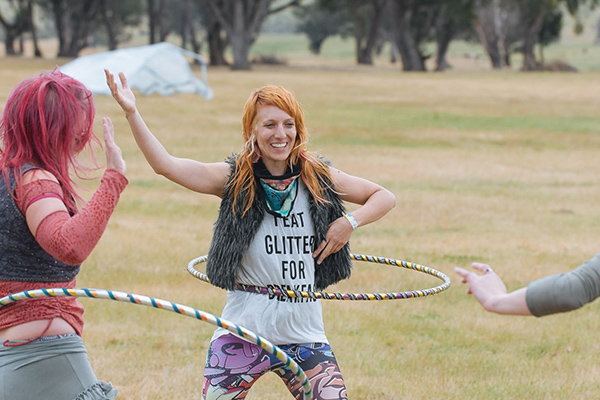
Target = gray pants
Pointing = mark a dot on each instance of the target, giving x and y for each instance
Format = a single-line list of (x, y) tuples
[(57, 369)]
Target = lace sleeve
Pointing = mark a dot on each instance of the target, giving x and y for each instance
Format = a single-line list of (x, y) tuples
[(72, 239)]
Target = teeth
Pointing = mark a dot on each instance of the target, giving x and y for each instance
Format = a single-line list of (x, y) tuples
[(278, 145)]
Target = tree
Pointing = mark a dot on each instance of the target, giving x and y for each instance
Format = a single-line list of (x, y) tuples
[(319, 23), (367, 17), (412, 21), (534, 14), (114, 15), (157, 20), (14, 27), (550, 32), (453, 18), (74, 22), (242, 20), (491, 23)]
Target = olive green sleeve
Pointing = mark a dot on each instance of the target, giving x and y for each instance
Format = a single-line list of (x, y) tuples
[(565, 292)]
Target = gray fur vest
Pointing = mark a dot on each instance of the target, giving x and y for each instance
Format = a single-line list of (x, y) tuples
[(233, 233)]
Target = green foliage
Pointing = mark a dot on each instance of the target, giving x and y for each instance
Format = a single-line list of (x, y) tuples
[(319, 23), (551, 27)]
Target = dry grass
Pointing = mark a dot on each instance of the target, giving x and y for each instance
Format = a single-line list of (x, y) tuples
[(494, 167)]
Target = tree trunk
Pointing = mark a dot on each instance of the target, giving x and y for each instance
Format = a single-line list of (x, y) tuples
[(216, 44), (163, 29), (488, 27), (196, 45), (444, 31), (81, 27), (186, 20), (9, 42), (14, 30), (531, 35), (31, 22), (242, 20), (367, 30), (359, 35), (441, 62), (240, 40), (412, 60), (61, 22), (152, 21), (109, 24)]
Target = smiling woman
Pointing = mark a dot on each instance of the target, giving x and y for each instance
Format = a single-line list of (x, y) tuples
[(275, 136), (281, 223)]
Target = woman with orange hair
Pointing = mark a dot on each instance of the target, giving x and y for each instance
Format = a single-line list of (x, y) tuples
[(281, 224)]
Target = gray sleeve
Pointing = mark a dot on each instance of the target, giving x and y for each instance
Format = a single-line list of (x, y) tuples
[(565, 292)]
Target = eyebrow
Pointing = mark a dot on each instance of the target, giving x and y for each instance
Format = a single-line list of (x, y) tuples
[(275, 120)]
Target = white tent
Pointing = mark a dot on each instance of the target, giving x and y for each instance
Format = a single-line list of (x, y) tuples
[(158, 68)]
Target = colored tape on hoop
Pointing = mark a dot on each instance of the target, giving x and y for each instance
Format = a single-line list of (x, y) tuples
[(168, 306), (343, 296)]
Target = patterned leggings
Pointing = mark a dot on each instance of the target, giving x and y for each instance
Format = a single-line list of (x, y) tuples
[(234, 364)]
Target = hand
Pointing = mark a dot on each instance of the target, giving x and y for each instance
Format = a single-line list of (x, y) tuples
[(114, 157), (337, 236), (124, 96), (487, 288)]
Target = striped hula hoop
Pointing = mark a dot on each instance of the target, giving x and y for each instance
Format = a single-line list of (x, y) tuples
[(342, 296), (169, 306)]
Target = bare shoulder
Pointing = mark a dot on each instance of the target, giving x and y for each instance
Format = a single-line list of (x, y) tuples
[(339, 177), (37, 175)]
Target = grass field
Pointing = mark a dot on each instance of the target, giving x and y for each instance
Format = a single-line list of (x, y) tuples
[(494, 167)]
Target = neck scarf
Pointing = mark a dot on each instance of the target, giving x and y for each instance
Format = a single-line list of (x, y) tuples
[(280, 191)]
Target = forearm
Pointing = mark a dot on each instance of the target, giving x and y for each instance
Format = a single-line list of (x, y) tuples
[(72, 239), (155, 153), (565, 292), (512, 303), (378, 205)]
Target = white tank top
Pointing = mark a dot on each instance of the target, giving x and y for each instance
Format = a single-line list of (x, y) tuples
[(280, 255)]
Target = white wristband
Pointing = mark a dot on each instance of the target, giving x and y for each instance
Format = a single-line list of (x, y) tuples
[(352, 221)]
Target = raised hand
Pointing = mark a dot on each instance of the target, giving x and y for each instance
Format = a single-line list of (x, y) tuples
[(114, 156), (124, 96)]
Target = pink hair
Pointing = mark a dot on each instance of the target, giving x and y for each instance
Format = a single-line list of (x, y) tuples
[(47, 121)]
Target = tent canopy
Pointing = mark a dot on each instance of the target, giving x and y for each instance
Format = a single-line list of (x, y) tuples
[(158, 68)]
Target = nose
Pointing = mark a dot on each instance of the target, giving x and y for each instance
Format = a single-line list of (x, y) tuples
[(280, 130)]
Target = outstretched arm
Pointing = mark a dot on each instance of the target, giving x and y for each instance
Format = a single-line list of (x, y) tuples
[(491, 293), (208, 178), (550, 295), (375, 201)]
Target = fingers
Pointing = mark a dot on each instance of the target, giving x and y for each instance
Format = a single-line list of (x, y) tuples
[(319, 249), (461, 271), (321, 252), (109, 132), (123, 80), (481, 267), (110, 81), (110, 78), (327, 248), (336, 238), (114, 157)]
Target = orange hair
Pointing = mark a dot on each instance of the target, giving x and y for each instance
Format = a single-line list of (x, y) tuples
[(314, 172)]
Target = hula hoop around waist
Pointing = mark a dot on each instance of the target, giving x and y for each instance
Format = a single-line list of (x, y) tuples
[(342, 296), (168, 306)]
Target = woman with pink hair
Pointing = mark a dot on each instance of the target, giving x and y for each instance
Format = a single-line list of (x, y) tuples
[(44, 236)]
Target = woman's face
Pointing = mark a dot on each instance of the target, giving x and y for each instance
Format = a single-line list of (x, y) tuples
[(275, 138)]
